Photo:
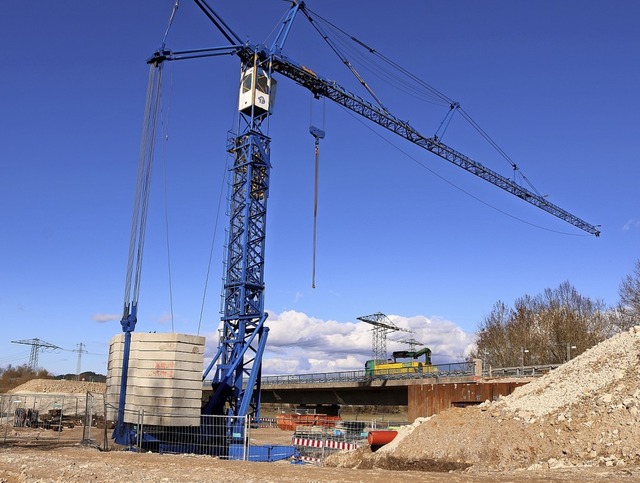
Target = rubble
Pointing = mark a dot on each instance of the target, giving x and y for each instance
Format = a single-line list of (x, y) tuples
[(585, 413)]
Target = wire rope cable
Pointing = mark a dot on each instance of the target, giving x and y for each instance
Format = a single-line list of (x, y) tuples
[(224, 182), (170, 23), (317, 134), (428, 92), (489, 205), (165, 139), (141, 200)]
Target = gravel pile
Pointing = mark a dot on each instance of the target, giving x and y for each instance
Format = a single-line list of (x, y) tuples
[(58, 386), (597, 372), (586, 413)]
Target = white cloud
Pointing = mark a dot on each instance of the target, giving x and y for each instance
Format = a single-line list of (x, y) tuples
[(632, 223), (298, 343), (102, 318)]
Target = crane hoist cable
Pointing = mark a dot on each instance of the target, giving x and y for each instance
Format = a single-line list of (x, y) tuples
[(165, 138), (318, 134), (171, 17), (213, 243), (450, 183), (446, 121), (224, 180), (345, 61)]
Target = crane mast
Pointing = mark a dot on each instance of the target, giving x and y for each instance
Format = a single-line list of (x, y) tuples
[(237, 379)]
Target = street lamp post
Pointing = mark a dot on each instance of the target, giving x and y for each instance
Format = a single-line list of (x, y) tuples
[(569, 347), (522, 352)]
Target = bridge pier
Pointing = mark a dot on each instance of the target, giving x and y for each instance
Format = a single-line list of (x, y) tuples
[(428, 399)]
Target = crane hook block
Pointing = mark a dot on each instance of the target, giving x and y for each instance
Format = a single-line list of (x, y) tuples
[(316, 132)]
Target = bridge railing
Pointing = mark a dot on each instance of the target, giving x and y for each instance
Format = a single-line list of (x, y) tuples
[(437, 371), (526, 371)]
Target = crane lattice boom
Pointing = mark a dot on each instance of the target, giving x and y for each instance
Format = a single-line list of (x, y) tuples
[(333, 91), (320, 87)]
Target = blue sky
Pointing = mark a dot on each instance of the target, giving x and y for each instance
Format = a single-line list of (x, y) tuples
[(553, 83)]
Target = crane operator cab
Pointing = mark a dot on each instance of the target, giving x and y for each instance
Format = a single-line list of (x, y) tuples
[(257, 91)]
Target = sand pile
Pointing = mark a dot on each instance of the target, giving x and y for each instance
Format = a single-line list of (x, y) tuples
[(585, 413), (57, 386)]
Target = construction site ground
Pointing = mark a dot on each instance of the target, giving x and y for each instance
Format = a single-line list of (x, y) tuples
[(78, 463), (580, 422)]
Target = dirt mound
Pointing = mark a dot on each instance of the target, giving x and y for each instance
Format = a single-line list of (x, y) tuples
[(58, 386), (585, 413)]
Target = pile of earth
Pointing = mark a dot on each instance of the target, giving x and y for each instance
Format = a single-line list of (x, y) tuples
[(59, 386), (583, 414)]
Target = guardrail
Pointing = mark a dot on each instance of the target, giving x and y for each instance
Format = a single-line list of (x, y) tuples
[(456, 369), (526, 371)]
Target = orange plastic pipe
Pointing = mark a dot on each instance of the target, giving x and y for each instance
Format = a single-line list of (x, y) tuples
[(379, 438)]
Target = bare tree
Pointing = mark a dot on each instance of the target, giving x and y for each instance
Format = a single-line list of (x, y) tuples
[(549, 328), (494, 346), (629, 304)]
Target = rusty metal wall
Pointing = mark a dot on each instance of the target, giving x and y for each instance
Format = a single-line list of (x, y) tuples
[(429, 399)]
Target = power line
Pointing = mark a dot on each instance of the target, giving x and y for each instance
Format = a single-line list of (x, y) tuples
[(36, 346)]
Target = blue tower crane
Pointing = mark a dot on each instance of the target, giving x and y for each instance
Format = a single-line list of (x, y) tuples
[(238, 361)]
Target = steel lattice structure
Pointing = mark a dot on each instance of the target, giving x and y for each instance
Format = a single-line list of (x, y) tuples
[(381, 327), (36, 346), (244, 333)]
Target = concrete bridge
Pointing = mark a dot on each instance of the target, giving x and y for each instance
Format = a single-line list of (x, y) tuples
[(424, 394)]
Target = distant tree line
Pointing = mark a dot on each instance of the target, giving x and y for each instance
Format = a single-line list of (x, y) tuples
[(88, 376), (12, 377), (555, 325)]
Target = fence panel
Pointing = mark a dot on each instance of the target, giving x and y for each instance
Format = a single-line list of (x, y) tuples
[(323, 436), (212, 437), (45, 418), (72, 419)]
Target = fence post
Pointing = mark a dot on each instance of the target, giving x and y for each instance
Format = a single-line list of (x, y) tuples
[(247, 438), (88, 417), (139, 431), (6, 428), (105, 440), (60, 419)]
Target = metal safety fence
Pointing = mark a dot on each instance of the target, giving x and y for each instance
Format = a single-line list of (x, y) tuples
[(44, 418), (221, 436), (86, 419), (317, 436)]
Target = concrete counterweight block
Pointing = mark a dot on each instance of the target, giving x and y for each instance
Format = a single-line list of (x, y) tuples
[(164, 378)]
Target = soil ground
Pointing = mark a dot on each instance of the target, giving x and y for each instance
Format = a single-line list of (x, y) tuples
[(71, 462)]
